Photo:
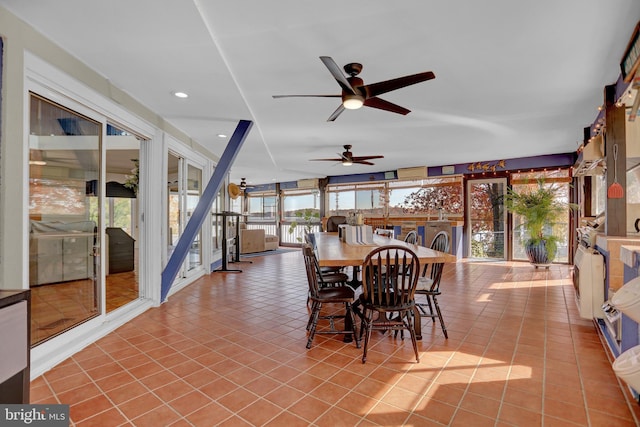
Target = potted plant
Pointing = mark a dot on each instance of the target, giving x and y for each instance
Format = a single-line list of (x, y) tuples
[(308, 216), (539, 206)]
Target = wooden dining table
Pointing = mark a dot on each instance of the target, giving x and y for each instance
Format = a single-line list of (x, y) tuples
[(333, 252)]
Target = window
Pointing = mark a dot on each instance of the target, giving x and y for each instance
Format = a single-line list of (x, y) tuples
[(298, 204), (300, 214), (427, 197), (262, 207), (369, 199)]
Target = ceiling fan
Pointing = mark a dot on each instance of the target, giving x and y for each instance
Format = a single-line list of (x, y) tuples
[(347, 158), (355, 93), (243, 184), (235, 190)]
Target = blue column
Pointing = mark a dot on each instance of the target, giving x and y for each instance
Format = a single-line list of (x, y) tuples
[(201, 212)]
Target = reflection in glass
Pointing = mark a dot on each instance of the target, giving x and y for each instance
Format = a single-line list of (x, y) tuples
[(64, 172), (194, 188), (121, 205)]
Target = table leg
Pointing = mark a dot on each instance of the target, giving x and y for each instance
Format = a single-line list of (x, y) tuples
[(355, 283), (348, 324)]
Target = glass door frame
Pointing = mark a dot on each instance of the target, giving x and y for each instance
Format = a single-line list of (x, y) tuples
[(185, 161), (468, 224)]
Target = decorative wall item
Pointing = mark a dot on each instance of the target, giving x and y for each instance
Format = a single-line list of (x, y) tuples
[(487, 167)]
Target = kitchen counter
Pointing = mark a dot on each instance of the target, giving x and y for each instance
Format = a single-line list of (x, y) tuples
[(610, 247)]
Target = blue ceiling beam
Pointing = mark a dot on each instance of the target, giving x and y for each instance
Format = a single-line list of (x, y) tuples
[(203, 208)]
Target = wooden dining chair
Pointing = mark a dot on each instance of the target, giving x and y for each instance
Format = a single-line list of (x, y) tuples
[(327, 276), (327, 295), (389, 279), (429, 284), (411, 237)]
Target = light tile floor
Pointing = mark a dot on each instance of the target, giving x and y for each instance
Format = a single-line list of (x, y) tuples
[(229, 350)]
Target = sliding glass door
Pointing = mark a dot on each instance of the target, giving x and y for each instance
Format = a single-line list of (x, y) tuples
[(487, 218), (64, 218)]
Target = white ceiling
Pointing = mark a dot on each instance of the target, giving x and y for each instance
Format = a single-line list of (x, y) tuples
[(513, 78)]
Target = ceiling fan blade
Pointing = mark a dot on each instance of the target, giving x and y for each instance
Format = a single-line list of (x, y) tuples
[(361, 158), (381, 104), (325, 160), (336, 72), (379, 88), (307, 96), (336, 113), (363, 162)]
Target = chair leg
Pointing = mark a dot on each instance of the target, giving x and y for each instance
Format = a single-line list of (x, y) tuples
[(367, 320), (314, 322), (430, 306), (412, 332), (313, 309), (444, 328)]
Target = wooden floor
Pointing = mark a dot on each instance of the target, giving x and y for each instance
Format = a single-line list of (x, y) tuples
[(229, 350)]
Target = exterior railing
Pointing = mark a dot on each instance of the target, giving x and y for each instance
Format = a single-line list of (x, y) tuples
[(297, 236)]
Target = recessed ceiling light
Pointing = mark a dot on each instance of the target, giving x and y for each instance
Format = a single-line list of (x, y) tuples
[(222, 135), (180, 94)]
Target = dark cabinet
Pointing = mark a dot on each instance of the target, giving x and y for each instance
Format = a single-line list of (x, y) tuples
[(15, 309), (121, 250)]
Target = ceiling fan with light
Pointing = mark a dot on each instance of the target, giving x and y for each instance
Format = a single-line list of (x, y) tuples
[(355, 93), (347, 158)]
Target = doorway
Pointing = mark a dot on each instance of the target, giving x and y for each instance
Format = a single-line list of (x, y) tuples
[(486, 218)]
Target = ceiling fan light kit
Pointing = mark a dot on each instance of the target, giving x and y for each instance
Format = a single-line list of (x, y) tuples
[(352, 102)]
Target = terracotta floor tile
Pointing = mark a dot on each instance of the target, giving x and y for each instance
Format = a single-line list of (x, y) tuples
[(260, 412), (210, 414), (565, 411), (474, 403), (284, 396), (237, 399), (114, 381), (86, 409), (464, 418), (158, 416), (109, 418), (517, 354), (235, 421), (309, 408), (336, 417), (434, 410), (519, 416), (127, 392), (287, 419), (218, 388), (159, 379), (140, 405), (190, 402)]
